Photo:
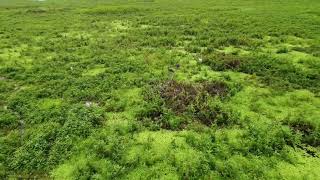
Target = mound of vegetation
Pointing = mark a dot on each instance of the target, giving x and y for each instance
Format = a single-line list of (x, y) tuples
[(173, 105)]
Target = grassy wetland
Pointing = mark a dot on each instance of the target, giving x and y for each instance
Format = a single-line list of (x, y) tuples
[(160, 89)]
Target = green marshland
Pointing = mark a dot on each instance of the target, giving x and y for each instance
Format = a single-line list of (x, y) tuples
[(159, 89)]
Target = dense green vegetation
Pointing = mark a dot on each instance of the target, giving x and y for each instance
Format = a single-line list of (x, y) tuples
[(160, 89)]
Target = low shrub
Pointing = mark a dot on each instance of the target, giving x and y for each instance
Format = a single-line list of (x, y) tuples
[(172, 104)]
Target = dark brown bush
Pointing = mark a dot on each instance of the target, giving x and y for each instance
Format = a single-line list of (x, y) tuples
[(178, 96), (310, 134), (216, 88)]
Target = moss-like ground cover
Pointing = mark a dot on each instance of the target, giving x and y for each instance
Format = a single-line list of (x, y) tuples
[(159, 89)]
